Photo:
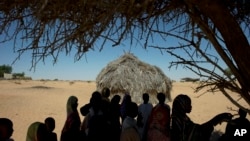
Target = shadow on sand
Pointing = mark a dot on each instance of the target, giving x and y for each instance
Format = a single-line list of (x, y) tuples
[(41, 87)]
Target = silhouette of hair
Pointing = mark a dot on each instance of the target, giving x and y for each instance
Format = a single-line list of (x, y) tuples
[(132, 110), (96, 100), (242, 113), (50, 123), (7, 124), (161, 97), (145, 97), (105, 92), (116, 99), (180, 103)]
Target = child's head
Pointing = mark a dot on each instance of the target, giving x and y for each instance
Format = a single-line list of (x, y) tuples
[(161, 98), (145, 97), (116, 99), (105, 92), (242, 113), (6, 128), (132, 110), (50, 124)]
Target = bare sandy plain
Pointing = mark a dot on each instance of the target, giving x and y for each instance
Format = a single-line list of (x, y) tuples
[(27, 101)]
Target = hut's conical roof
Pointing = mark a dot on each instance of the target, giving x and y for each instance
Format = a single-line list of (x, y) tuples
[(129, 74)]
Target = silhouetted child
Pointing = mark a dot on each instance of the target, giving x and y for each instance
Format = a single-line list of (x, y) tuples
[(144, 111), (105, 106), (50, 125), (129, 125), (6, 129), (125, 102), (115, 118)]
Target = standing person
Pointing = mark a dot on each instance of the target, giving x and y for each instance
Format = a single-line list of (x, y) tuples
[(98, 127), (115, 117), (129, 125), (237, 124), (50, 126), (183, 129), (125, 102), (159, 121), (71, 129), (105, 100), (105, 106), (37, 132), (144, 111), (6, 129)]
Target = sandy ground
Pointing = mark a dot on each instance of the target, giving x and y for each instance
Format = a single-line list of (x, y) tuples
[(25, 102)]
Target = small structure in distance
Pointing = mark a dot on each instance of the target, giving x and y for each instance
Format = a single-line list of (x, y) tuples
[(128, 74)]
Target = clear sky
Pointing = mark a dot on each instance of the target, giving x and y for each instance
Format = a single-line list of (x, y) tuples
[(91, 64)]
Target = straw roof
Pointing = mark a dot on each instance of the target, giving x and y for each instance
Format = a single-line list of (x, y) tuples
[(128, 74)]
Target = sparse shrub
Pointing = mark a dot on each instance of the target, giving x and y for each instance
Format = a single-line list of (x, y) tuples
[(18, 82)]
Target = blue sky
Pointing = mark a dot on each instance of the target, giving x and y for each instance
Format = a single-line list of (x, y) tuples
[(85, 69), (91, 64)]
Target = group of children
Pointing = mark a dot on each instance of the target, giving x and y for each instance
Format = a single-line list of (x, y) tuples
[(36, 131), (39, 131)]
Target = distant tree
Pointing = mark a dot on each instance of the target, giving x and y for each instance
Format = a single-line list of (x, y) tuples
[(52, 27), (5, 69), (18, 75), (188, 79)]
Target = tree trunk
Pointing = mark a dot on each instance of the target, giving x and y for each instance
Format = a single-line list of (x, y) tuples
[(235, 40)]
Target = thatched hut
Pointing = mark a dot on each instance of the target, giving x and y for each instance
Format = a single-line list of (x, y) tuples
[(128, 74)]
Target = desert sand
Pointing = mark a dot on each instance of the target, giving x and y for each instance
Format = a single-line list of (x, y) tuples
[(27, 101)]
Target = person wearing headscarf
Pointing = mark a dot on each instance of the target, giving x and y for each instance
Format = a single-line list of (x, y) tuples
[(159, 121), (71, 129), (37, 132), (184, 129)]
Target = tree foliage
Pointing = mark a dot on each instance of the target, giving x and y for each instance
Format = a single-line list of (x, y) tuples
[(188, 79), (50, 27), (19, 75), (5, 69)]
